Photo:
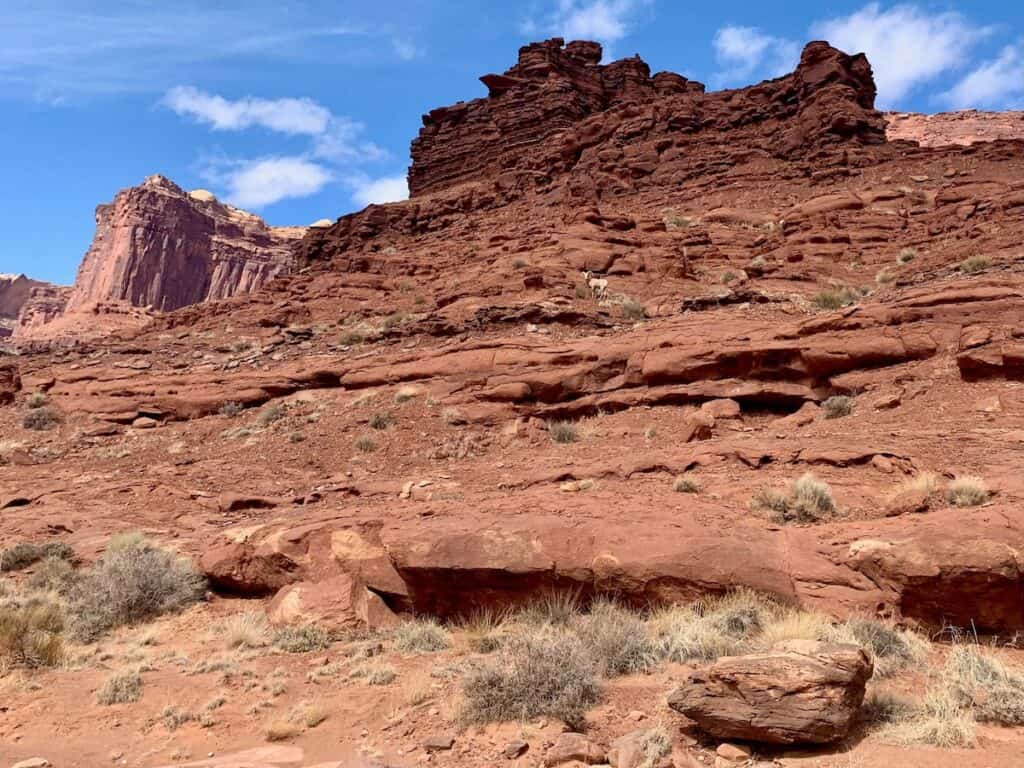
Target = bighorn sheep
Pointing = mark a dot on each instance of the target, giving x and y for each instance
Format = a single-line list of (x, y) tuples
[(598, 285)]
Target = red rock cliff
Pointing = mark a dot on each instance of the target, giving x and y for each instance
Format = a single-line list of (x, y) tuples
[(16, 293), (160, 247), (560, 110)]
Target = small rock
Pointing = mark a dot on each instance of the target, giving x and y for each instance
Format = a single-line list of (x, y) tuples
[(439, 743), (574, 746), (514, 749), (736, 753), (919, 179), (887, 402), (635, 715), (32, 762), (144, 422), (989, 405), (910, 501)]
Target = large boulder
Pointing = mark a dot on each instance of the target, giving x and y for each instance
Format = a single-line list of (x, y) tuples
[(337, 603), (800, 692)]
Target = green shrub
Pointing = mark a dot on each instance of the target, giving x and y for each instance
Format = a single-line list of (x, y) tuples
[(26, 553), (891, 649), (133, 582), (563, 432), (974, 264), (545, 672), (837, 406), (303, 639), (41, 419)]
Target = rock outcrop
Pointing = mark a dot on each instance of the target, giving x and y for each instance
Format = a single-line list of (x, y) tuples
[(801, 692), (157, 246), (22, 296), (961, 128), (559, 110)]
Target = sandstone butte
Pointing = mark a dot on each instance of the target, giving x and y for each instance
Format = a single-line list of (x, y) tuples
[(369, 434)]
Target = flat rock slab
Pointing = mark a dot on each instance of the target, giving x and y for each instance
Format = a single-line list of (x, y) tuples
[(800, 692)]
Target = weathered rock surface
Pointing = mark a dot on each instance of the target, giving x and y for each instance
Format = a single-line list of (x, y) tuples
[(10, 381), (573, 748), (800, 692), (21, 297), (944, 129)]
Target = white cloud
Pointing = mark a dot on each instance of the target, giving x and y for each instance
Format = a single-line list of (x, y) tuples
[(404, 49), (258, 183), (603, 20), (294, 116), (389, 189), (994, 84), (743, 52), (906, 45)]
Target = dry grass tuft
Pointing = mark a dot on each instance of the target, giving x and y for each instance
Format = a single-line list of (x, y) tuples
[(30, 633), (40, 419), (381, 420), (541, 672), (366, 444), (616, 639), (685, 484), (940, 721), (422, 635), (974, 264), (891, 649), (120, 688), (555, 607), (245, 630), (303, 639), (484, 630), (309, 713), (809, 500), (835, 298), (280, 730), (563, 432), (994, 692), (967, 491)]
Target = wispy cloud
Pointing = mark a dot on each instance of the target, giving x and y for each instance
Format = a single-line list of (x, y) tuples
[(61, 49), (906, 44), (994, 84), (405, 49), (337, 149), (294, 116), (606, 21), (387, 189), (745, 52), (264, 181)]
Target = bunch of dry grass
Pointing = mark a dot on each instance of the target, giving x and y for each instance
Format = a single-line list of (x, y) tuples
[(422, 635), (808, 500), (31, 633), (120, 688), (616, 639), (541, 672), (303, 638), (705, 631), (134, 581), (245, 630), (891, 649), (993, 691), (967, 491), (938, 721)]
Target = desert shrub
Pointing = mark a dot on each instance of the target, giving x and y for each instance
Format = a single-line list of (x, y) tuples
[(31, 633), (120, 688), (231, 409), (887, 708), (392, 321), (422, 636), (616, 639), (270, 414), (835, 298), (484, 630), (55, 574), (36, 400), (884, 276), (245, 630), (309, 713), (808, 500), (519, 263), (891, 649), (633, 309), (26, 553), (967, 491), (351, 338), (296, 437), (795, 624), (406, 393), (133, 582), (685, 484), (382, 674), (906, 256), (683, 634), (280, 730), (563, 432), (555, 607), (366, 444), (729, 277), (40, 419), (174, 717), (303, 638), (926, 482), (582, 291), (940, 721), (545, 672), (994, 692), (837, 406), (974, 264), (740, 614), (381, 420)]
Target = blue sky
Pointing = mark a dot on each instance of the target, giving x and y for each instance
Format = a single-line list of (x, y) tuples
[(301, 110)]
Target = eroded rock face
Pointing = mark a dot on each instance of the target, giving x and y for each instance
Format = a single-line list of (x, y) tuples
[(801, 692), (21, 296), (156, 246), (10, 382), (954, 128), (560, 110)]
